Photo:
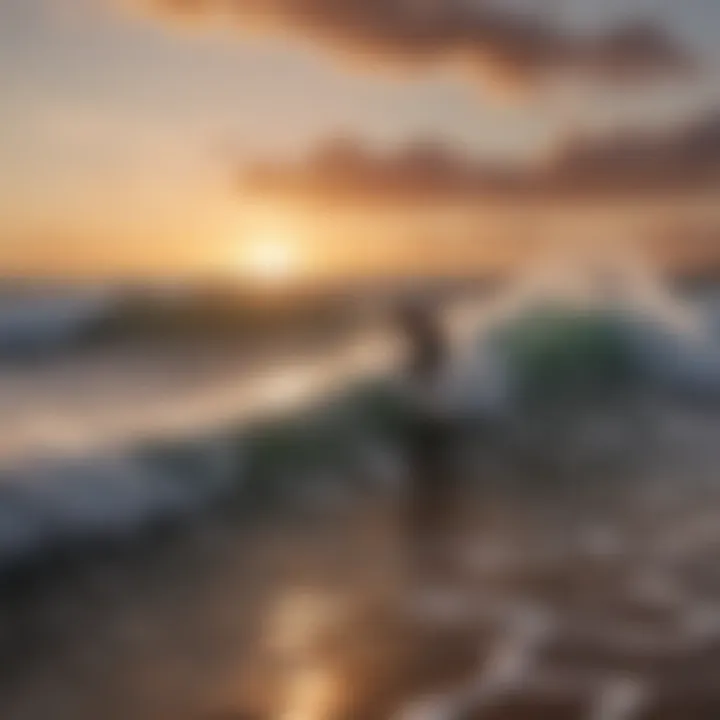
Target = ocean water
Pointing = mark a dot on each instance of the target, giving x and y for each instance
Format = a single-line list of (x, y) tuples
[(109, 447), (584, 580)]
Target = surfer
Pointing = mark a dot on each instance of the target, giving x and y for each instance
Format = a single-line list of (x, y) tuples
[(427, 508)]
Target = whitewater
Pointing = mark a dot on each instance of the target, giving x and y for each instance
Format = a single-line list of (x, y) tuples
[(109, 445)]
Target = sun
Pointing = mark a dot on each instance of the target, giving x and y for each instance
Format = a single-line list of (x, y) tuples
[(270, 259)]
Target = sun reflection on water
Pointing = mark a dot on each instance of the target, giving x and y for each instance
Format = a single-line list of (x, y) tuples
[(298, 634)]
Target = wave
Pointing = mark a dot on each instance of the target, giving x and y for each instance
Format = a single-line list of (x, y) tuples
[(593, 336), (525, 352), (113, 496)]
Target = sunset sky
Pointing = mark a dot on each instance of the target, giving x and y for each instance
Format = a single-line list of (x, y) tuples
[(124, 124)]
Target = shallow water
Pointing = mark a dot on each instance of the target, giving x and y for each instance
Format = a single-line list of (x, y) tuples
[(578, 603), (574, 590)]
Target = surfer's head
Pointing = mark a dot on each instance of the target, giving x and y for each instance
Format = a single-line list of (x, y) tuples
[(415, 311)]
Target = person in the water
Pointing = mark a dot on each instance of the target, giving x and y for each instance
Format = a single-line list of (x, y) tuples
[(426, 342), (428, 504)]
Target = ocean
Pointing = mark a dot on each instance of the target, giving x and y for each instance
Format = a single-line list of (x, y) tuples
[(186, 533)]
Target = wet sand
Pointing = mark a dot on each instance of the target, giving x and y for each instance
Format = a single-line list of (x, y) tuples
[(568, 603)]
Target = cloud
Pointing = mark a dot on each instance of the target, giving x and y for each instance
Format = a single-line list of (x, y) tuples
[(624, 164), (686, 156), (345, 169), (515, 47)]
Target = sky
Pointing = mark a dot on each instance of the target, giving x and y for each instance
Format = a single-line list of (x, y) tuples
[(124, 123)]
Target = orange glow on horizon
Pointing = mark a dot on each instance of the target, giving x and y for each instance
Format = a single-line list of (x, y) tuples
[(272, 257)]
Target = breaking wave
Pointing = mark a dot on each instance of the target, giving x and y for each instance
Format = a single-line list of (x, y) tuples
[(534, 355)]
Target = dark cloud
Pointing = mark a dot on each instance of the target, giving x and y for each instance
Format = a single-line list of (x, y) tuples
[(343, 169), (685, 158), (498, 43)]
